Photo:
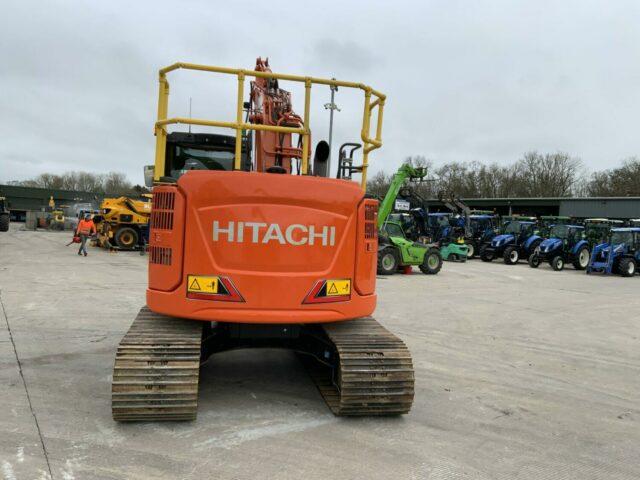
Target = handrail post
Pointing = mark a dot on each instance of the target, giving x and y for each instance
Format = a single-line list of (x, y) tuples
[(379, 128), (366, 123), (305, 136), (238, 154), (239, 126), (161, 131)]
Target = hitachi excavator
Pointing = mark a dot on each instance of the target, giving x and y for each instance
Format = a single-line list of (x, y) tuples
[(252, 246)]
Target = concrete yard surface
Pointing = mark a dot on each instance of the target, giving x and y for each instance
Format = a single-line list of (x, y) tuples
[(520, 374)]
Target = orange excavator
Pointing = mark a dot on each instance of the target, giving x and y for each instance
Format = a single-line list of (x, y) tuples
[(252, 245)]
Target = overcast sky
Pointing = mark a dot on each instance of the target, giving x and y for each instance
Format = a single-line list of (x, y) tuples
[(465, 80)]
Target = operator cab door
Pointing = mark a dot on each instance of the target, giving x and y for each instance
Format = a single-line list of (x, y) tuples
[(525, 232)]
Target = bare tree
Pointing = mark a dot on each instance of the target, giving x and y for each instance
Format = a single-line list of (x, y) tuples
[(617, 182), (548, 175), (113, 183)]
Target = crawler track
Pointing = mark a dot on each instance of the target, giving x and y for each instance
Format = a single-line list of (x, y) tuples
[(372, 372), (365, 369), (155, 376)]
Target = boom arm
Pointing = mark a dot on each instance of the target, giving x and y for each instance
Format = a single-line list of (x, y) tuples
[(453, 203), (405, 171)]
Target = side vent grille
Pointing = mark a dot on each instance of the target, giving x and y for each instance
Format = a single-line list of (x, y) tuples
[(160, 255), (162, 210), (370, 221), (370, 212)]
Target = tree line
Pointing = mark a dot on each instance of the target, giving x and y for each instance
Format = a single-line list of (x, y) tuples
[(533, 175), (112, 183)]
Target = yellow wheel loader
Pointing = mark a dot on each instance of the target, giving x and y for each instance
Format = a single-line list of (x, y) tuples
[(123, 222)]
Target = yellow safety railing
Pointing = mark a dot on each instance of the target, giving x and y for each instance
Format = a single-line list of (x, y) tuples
[(370, 104)]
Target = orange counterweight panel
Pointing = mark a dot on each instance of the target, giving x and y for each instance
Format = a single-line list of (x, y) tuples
[(267, 248)]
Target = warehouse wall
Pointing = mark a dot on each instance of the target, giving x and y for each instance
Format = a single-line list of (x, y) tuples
[(614, 207), (27, 198)]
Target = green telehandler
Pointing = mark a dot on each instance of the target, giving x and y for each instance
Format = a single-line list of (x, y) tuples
[(395, 250)]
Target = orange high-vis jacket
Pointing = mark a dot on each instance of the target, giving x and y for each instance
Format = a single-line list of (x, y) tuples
[(86, 227)]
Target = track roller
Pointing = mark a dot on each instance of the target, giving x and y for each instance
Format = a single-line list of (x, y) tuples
[(372, 372)]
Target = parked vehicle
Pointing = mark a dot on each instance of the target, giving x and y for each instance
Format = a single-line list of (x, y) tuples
[(518, 240), (483, 228), (620, 254), (4, 215), (565, 244), (597, 230), (395, 250)]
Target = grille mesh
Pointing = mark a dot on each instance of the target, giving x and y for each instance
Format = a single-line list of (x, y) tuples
[(160, 255)]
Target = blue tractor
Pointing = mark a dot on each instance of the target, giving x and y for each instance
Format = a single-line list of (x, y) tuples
[(565, 244), (620, 254), (519, 239), (483, 228), (438, 225)]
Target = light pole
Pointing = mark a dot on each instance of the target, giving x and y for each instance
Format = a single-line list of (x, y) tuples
[(331, 106)]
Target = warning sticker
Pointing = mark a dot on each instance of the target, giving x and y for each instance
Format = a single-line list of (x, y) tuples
[(338, 287), (202, 284)]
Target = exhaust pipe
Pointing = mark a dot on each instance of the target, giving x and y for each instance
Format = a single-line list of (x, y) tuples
[(320, 159)]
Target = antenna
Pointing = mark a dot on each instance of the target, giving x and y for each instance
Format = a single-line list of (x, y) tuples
[(190, 114), (331, 106)]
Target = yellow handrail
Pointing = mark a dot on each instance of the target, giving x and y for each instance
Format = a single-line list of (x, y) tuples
[(370, 144)]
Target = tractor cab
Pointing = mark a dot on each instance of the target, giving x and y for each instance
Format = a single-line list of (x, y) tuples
[(408, 224), (548, 221), (519, 229), (620, 254), (564, 243), (597, 230), (483, 226), (438, 225)]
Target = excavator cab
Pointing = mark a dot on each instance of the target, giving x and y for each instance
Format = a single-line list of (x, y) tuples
[(203, 151), (249, 248)]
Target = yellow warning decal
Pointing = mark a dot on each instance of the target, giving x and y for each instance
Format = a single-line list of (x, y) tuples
[(202, 284), (338, 287)]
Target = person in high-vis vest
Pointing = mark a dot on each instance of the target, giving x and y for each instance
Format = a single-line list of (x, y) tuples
[(85, 229)]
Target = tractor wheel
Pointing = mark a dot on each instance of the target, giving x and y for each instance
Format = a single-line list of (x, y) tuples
[(432, 262), (486, 256), (627, 267), (511, 256), (4, 222), (581, 259), (471, 252), (557, 263), (126, 238), (388, 261), (534, 260)]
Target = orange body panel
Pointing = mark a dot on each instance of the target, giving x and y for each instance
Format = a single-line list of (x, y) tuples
[(273, 237)]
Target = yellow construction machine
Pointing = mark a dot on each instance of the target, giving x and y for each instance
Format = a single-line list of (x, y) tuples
[(123, 222)]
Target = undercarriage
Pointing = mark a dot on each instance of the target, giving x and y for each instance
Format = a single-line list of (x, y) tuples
[(359, 367)]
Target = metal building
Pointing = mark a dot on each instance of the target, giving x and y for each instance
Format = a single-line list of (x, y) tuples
[(610, 207), (24, 199)]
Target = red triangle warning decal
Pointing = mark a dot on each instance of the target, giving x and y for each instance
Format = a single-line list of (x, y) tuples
[(194, 285), (332, 289)]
